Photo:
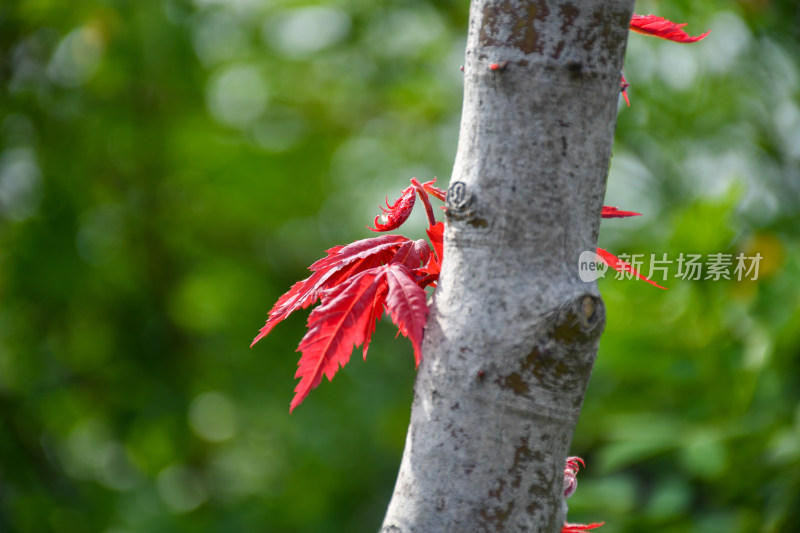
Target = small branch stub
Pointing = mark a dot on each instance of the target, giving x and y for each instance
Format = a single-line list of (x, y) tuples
[(457, 196)]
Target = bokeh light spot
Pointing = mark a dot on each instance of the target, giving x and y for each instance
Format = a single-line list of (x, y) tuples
[(181, 488), (237, 95), (212, 416)]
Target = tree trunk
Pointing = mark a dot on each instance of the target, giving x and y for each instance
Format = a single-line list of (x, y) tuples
[(513, 331)]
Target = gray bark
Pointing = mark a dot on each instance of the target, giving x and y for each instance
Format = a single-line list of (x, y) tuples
[(513, 331)]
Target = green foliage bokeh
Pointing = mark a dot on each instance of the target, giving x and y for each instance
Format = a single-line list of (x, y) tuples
[(169, 168)]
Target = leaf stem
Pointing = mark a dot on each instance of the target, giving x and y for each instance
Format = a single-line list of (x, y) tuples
[(423, 195)]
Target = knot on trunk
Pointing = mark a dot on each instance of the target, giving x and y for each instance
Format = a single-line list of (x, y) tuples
[(580, 321), (562, 353)]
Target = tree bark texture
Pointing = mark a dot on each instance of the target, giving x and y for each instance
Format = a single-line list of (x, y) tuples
[(513, 331)]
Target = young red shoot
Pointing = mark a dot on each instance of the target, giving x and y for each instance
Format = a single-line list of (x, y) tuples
[(623, 88), (570, 485), (394, 215), (571, 475)]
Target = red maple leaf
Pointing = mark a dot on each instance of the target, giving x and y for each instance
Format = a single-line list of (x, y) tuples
[(621, 266), (614, 212), (663, 28), (341, 263), (412, 253), (344, 319), (347, 317)]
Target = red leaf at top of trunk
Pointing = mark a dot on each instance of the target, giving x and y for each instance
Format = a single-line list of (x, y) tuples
[(614, 212), (397, 213), (341, 263), (621, 266), (661, 27)]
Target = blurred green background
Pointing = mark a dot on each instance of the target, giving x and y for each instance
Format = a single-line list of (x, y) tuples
[(169, 168)]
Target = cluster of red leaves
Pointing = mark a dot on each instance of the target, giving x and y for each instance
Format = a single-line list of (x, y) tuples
[(356, 284)]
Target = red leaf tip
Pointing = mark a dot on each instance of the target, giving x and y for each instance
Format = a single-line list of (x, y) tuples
[(578, 528), (663, 28), (614, 212), (621, 266)]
